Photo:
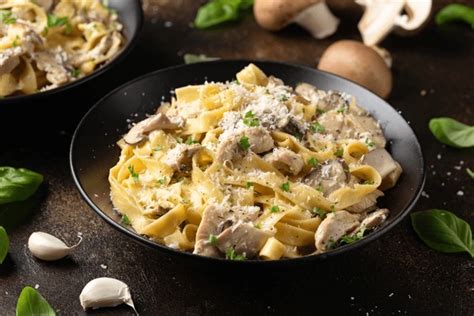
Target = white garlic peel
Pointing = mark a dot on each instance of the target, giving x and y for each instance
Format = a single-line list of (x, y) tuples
[(49, 248), (105, 292)]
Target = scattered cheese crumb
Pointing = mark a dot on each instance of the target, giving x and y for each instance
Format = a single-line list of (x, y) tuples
[(438, 156), (37, 286), (460, 193), (424, 194), (390, 295), (423, 92), (103, 266)]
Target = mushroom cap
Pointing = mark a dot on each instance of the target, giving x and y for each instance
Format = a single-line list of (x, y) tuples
[(359, 63), (274, 15)]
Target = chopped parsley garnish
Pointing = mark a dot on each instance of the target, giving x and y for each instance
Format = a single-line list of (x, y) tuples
[(157, 148), (286, 187), (244, 143), (161, 181), (249, 184), (283, 98), (369, 143), (319, 188), (339, 152), (333, 208), (231, 255), (369, 182), (179, 140), (320, 111), (15, 42), (257, 225), (76, 72), (298, 135), (342, 109), (56, 21), (470, 173), (133, 173), (212, 240), (250, 119), (191, 141), (236, 81), (275, 209), (125, 219), (313, 162), (349, 239), (6, 17), (317, 128), (318, 212)]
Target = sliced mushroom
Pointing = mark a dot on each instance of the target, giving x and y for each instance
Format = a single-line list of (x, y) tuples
[(179, 158), (295, 127), (9, 59), (375, 219), (382, 16), (313, 15), (212, 216), (357, 62), (333, 227), (54, 63), (244, 238), (230, 148), (159, 121), (385, 165), (285, 160), (367, 204), (329, 177)]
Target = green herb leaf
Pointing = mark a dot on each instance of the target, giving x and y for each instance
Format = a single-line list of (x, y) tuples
[(231, 255), (275, 209), (286, 187), (244, 143), (283, 98), (190, 141), (250, 119), (368, 182), (470, 173), (443, 231), (313, 162), (76, 72), (18, 184), (212, 239), (56, 21), (6, 17), (125, 219), (31, 303), (339, 152), (219, 11), (369, 143), (350, 239), (452, 133), (193, 58), (317, 128), (456, 13), (4, 244), (318, 212), (249, 184), (135, 176)]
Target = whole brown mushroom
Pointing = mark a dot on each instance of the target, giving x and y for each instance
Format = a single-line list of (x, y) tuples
[(359, 63)]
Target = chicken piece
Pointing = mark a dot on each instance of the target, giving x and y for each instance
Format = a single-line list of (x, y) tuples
[(218, 219), (332, 123), (367, 204), (244, 238), (231, 148), (285, 160), (329, 177), (9, 59), (333, 227), (179, 158), (54, 63), (385, 165), (356, 125), (374, 219), (159, 121), (212, 216)]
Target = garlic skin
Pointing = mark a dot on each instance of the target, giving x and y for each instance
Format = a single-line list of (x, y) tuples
[(49, 248), (105, 292)]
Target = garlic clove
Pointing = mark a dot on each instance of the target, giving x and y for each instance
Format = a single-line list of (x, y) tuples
[(105, 292), (49, 248)]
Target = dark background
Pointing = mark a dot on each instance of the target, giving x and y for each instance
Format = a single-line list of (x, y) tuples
[(396, 274)]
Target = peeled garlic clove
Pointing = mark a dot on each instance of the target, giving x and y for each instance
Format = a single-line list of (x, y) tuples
[(47, 247), (105, 292)]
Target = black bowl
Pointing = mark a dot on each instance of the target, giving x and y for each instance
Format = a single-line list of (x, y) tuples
[(93, 150), (131, 16)]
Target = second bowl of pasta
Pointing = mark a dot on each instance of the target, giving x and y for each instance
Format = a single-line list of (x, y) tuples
[(247, 162)]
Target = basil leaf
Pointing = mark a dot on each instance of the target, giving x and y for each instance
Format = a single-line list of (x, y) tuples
[(218, 11), (470, 173), (31, 303), (18, 184), (443, 231), (4, 244), (452, 133), (192, 58), (456, 13)]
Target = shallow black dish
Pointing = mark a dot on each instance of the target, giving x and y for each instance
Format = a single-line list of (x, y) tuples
[(93, 150), (131, 16)]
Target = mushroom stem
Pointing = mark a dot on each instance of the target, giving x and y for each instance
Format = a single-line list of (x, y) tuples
[(318, 20)]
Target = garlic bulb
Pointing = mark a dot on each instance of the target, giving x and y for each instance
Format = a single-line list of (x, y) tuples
[(49, 248), (105, 292)]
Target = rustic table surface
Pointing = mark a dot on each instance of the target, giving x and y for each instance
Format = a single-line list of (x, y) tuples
[(396, 274)]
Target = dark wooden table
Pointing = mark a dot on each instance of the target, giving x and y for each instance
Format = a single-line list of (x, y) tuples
[(396, 274)]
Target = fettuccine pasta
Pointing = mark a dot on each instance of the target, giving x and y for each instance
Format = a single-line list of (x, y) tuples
[(45, 44), (254, 169)]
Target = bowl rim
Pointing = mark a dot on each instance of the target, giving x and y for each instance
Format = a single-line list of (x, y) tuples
[(101, 70), (175, 252)]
